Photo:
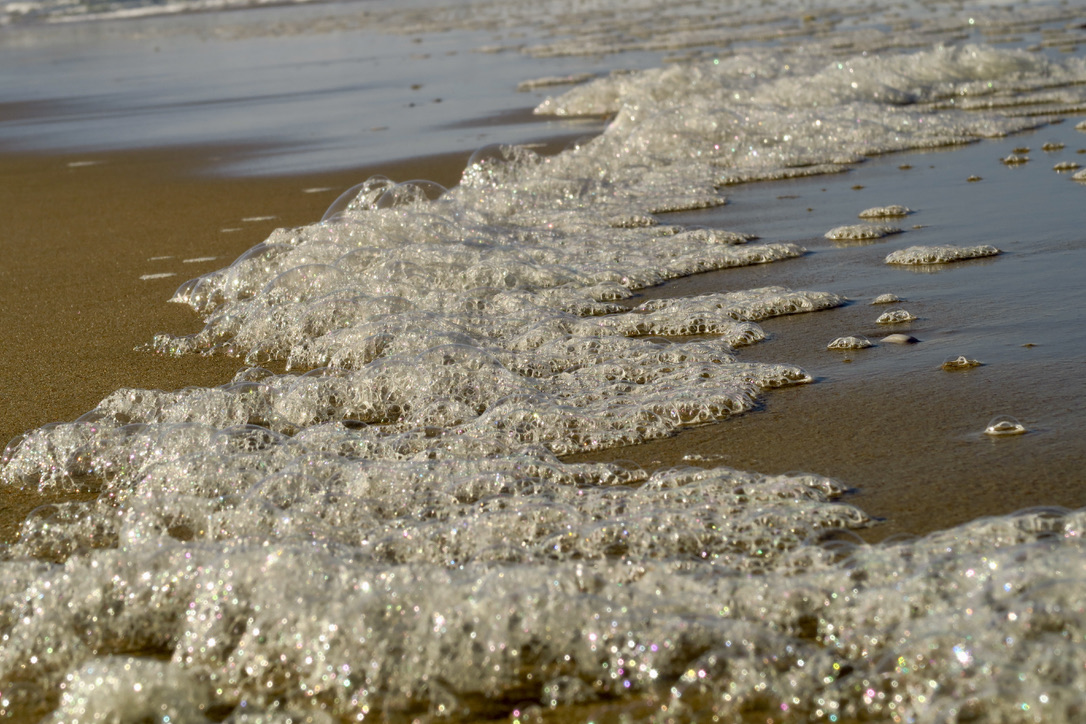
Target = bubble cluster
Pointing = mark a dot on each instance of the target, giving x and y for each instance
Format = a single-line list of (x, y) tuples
[(861, 232), (961, 362), (887, 299), (941, 254), (895, 316), (853, 342), (884, 212)]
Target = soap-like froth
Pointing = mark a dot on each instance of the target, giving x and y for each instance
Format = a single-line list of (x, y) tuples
[(861, 232), (895, 317), (883, 212), (941, 254), (386, 528), (852, 342), (740, 118)]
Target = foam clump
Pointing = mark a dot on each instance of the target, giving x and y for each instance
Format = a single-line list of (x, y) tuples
[(884, 212), (144, 689), (942, 254), (886, 299), (861, 232), (854, 342), (1079, 175), (896, 316), (961, 362), (746, 117)]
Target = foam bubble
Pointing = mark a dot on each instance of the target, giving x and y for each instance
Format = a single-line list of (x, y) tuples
[(895, 316), (886, 299), (861, 232), (854, 342), (961, 362), (882, 212), (1004, 426), (939, 254)]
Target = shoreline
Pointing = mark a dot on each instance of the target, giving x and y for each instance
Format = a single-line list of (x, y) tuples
[(76, 310), (82, 231)]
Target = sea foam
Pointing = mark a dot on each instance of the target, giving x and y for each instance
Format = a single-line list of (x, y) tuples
[(373, 518)]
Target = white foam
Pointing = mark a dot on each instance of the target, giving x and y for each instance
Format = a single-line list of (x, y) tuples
[(941, 254), (895, 317), (861, 232), (852, 342), (882, 212)]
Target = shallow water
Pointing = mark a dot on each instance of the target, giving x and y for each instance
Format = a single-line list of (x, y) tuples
[(379, 516)]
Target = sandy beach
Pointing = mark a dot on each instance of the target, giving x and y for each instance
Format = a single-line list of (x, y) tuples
[(121, 181)]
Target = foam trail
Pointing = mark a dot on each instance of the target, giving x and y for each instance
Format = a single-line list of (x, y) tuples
[(373, 518)]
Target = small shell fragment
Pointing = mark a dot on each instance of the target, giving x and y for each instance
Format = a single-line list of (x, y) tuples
[(897, 316)]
